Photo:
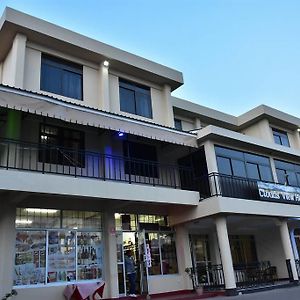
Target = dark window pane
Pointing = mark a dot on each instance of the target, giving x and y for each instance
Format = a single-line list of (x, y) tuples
[(252, 171), (178, 124), (284, 165), (127, 102), (229, 153), (61, 77), (277, 139), (143, 105), (281, 137), (281, 176), (224, 166), (285, 141), (238, 168), (257, 159), (291, 178), (71, 85), (265, 173)]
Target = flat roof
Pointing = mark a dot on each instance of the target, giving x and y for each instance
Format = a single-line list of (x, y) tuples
[(64, 40)]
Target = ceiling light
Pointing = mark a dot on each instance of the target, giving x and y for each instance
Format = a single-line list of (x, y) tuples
[(298, 129), (23, 222), (41, 210), (106, 63)]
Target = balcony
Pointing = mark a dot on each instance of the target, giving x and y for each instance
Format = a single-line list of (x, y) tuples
[(215, 184), (18, 155)]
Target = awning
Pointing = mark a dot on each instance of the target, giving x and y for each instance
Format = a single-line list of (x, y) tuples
[(44, 105)]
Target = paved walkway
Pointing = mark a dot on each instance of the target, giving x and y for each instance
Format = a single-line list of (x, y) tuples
[(292, 293)]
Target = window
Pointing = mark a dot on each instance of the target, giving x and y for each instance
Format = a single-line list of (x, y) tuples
[(178, 124), (63, 146), (243, 164), (135, 98), (57, 246), (61, 77), (144, 159), (281, 137), (287, 173), (163, 253)]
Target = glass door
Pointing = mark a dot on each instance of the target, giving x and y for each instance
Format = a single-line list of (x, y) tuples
[(201, 258)]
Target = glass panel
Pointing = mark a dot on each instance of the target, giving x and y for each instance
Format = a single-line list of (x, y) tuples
[(265, 173), (178, 124), (72, 85), (252, 171), (51, 79), (37, 218), (257, 159), (127, 100), (143, 105), (291, 178), (30, 257), (224, 166), (229, 153), (238, 168), (89, 255), (277, 139), (168, 254), (284, 165), (152, 240), (61, 256), (81, 220), (281, 176)]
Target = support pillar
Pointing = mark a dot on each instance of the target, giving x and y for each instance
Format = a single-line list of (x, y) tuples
[(104, 100), (294, 245), (7, 246), (288, 251), (111, 266), (183, 254), (169, 115), (222, 234)]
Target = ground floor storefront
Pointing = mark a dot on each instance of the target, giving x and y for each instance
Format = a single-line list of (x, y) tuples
[(49, 247)]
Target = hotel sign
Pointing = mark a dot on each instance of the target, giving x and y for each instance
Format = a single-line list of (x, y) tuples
[(278, 193)]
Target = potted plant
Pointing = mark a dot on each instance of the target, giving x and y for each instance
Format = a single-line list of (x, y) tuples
[(197, 285)]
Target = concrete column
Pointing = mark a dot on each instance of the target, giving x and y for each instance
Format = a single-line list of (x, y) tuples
[(169, 115), (184, 257), (111, 267), (1, 66), (273, 168), (197, 123), (7, 246), (104, 101), (13, 67), (297, 138), (226, 257), (266, 131), (211, 159), (294, 245), (287, 247)]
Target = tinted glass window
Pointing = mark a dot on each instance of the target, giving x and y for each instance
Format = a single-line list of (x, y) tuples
[(229, 153), (252, 171), (238, 168), (287, 173), (281, 176), (224, 165), (291, 178), (61, 77), (281, 137), (135, 98), (265, 173), (178, 124)]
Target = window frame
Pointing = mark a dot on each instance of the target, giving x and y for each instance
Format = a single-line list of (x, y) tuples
[(280, 136), (63, 67), (135, 88)]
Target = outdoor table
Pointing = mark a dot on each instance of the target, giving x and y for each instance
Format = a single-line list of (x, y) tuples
[(81, 291)]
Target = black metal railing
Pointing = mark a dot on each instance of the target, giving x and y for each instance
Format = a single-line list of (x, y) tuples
[(56, 160), (255, 274), (215, 184), (210, 276)]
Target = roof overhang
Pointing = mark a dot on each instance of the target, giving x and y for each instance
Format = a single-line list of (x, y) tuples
[(44, 105), (80, 46)]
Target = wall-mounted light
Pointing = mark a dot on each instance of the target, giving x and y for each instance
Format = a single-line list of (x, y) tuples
[(121, 134), (298, 129), (23, 222), (41, 210), (106, 63)]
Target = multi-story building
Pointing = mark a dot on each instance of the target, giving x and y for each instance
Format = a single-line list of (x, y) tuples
[(97, 157)]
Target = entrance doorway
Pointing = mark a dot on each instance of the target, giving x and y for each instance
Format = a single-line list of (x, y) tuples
[(200, 257)]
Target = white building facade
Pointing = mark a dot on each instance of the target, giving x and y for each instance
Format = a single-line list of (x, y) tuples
[(97, 157)]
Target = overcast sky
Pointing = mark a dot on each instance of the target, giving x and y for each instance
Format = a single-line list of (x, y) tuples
[(234, 54)]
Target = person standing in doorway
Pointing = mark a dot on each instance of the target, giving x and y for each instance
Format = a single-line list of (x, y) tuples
[(130, 271)]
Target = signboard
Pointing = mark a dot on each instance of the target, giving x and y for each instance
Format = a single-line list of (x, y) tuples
[(148, 256), (278, 193)]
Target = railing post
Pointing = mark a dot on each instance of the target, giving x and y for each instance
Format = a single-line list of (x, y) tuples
[(7, 158), (129, 170)]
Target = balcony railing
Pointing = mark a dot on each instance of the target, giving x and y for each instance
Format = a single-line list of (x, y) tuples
[(56, 160), (215, 184)]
